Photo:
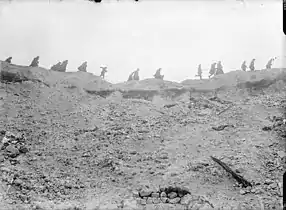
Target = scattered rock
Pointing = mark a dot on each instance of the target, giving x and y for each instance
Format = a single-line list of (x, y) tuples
[(242, 192), (164, 199), (281, 154), (172, 195), (145, 193), (268, 181), (186, 200), (12, 150), (174, 200), (163, 194), (2, 158), (129, 204), (155, 195), (149, 201)]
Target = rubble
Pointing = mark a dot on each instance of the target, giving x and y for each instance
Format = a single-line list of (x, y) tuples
[(60, 145)]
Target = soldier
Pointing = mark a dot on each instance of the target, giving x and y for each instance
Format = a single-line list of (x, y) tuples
[(136, 75), (130, 78), (35, 62), (212, 70), (82, 67), (63, 66), (219, 69), (269, 64), (200, 71), (251, 66), (56, 67), (8, 60), (103, 71), (158, 75), (243, 66)]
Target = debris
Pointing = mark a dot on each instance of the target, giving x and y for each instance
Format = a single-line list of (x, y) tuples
[(238, 178), (222, 127), (225, 109), (169, 105)]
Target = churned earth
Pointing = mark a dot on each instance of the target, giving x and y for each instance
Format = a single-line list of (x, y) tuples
[(74, 141)]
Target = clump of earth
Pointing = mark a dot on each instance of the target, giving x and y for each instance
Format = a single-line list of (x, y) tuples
[(70, 140)]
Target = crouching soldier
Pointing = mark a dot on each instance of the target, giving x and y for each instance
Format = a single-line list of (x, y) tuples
[(158, 75), (8, 60), (35, 62), (269, 64), (82, 67)]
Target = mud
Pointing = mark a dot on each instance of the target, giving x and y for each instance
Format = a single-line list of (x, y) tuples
[(99, 147)]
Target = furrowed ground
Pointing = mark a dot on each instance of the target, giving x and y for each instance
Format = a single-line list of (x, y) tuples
[(80, 150)]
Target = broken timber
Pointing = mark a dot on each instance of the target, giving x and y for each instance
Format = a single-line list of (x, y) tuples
[(238, 178)]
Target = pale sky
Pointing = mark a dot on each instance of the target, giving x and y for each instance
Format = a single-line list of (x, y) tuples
[(174, 35)]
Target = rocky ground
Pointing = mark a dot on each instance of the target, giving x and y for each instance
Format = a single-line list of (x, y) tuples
[(132, 147)]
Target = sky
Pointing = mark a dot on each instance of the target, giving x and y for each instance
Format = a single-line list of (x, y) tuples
[(176, 36)]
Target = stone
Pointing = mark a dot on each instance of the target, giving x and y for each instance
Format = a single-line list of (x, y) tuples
[(164, 199), (143, 202), (273, 185), (186, 199), (67, 206), (163, 194), (23, 149), (242, 192), (135, 194), (2, 158), (156, 200), (155, 195), (14, 152), (174, 200), (149, 201), (281, 154), (145, 193), (268, 181), (129, 204), (110, 206), (43, 205), (133, 152), (172, 195)]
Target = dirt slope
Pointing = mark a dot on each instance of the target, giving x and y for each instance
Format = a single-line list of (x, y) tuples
[(83, 151)]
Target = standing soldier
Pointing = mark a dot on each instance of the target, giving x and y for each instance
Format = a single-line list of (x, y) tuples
[(35, 62), (269, 64), (251, 66), (8, 60), (103, 71), (199, 71), (82, 67), (136, 75), (243, 66), (219, 69), (212, 70)]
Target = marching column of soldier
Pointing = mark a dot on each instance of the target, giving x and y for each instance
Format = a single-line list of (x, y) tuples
[(215, 69)]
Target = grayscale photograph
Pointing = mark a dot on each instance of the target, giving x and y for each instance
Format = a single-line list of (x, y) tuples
[(142, 104)]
